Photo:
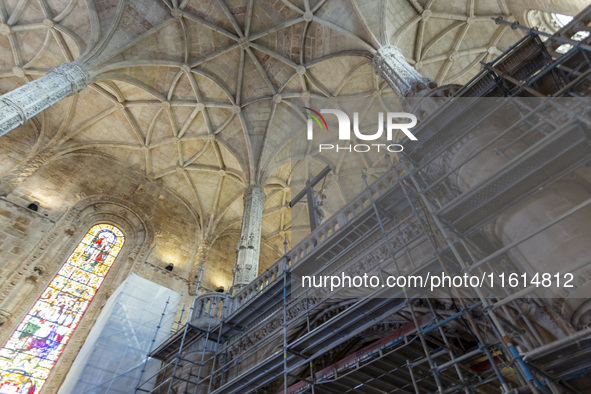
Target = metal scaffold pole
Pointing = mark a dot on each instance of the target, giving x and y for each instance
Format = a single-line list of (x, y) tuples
[(531, 30), (285, 268), (525, 374), (180, 320), (208, 329), (152, 343), (408, 300), (415, 219), (191, 311)]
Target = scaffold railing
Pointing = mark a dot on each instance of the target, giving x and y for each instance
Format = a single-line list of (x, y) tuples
[(277, 336)]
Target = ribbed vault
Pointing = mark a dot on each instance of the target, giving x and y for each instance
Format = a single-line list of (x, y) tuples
[(197, 94)]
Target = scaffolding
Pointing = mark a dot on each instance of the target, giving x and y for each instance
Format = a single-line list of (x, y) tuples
[(139, 314), (276, 336)]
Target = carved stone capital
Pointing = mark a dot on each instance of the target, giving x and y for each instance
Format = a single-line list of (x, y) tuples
[(24, 170), (390, 64)]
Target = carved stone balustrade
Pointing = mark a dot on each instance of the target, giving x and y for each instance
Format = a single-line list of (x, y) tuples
[(211, 309), (323, 233), (340, 219), (264, 280)]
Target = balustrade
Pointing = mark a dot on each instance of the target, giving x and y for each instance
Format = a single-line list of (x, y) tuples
[(210, 309), (218, 305)]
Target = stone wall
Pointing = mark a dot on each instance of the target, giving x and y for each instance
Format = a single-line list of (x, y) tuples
[(20, 228), (76, 192)]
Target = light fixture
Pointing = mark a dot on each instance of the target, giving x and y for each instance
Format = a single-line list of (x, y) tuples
[(220, 289), (34, 206), (169, 267)]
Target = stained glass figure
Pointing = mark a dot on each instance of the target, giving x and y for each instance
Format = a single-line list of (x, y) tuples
[(35, 346)]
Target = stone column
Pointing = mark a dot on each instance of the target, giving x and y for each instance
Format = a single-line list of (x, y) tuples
[(390, 64), (249, 245), (200, 260), (20, 105), (24, 170)]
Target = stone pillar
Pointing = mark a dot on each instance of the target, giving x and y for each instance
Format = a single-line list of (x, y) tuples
[(249, 245), (390, 64), (200, 260), (20, 105), (24, 170)]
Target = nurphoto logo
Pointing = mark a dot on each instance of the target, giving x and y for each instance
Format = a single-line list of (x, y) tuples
[(402, 121)]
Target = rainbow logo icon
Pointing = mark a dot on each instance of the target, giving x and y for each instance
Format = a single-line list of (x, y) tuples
[(316, 117)]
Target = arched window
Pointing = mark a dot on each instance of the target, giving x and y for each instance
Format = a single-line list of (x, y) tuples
[(551, 22), (35, 346), (547, 22)]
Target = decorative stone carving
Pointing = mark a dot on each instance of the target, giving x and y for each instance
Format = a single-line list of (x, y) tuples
[(73, 219), (200, 259), (581, 317), (431, 100), (176, 13), (249, 244), (584, 321), (32, 279), (543, 21), (20, 105), (390, 64), (4, 316), (266, 326), (24, 170)]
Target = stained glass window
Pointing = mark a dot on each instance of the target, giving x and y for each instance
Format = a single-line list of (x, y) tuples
[(35, 346)]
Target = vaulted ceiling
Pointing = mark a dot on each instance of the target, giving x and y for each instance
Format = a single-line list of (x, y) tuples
[(197, 95)]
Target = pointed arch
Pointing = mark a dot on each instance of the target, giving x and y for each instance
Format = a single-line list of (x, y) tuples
[(33, 349)]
